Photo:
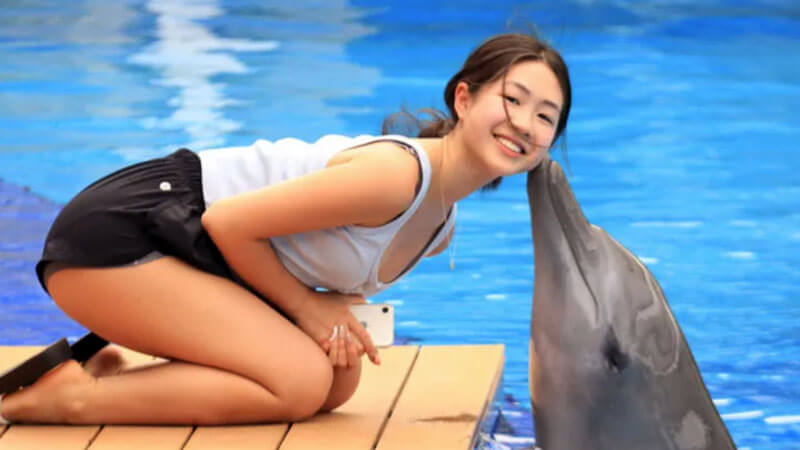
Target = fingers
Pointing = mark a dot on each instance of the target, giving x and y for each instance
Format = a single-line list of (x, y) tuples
[(325, 342), (341, 347), (341, 360), (352, 351), (345, 348), (366, 340), (333, 353)]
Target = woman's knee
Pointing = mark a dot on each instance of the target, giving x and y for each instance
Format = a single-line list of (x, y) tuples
[(345, 382), (305, 391)]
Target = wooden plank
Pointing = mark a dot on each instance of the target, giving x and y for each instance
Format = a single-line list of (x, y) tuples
[(240, 437), (134, 437), (445, 398), (14, 355), (357, 424), (50, 437), (39, 436), (440, 405)]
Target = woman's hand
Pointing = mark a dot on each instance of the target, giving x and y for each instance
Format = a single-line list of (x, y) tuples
[(326, 318)]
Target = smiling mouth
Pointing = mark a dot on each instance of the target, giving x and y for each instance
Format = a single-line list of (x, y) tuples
[(510, 144)]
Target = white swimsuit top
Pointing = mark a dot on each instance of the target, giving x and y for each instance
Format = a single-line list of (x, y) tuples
[(343, 259)]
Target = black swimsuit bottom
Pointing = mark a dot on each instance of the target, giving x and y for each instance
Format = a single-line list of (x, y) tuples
[(153, 206)]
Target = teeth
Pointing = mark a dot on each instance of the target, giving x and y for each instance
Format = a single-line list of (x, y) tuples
[(509, 145)]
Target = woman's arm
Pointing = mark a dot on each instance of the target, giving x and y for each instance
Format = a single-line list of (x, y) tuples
[(368, 189)]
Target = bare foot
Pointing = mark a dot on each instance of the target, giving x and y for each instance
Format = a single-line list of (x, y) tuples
[(54, 398), (108, 361)]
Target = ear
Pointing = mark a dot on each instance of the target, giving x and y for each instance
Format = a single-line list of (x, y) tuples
[(462, 99)]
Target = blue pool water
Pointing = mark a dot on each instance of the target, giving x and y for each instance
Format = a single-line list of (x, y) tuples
[(682, 144)]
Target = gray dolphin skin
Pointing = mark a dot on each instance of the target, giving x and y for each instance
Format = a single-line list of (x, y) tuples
[(609, 365)]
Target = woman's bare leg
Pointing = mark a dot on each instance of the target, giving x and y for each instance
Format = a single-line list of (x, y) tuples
[(345, 382), (236, 359), (110, 361)]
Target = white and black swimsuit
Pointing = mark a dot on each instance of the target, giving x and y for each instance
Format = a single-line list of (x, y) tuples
[(155, 207)]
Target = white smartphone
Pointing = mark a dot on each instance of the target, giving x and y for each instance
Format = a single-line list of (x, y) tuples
[(378, 320)]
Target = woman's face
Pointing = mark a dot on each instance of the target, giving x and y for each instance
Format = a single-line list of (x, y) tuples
[(533, 100)]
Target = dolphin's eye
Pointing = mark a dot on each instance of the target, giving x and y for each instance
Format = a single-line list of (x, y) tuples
[(616, 360)]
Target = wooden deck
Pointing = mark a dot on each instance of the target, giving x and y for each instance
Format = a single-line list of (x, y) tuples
[(429, 397)]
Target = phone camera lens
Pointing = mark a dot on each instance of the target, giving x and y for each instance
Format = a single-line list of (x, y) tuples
[(385, 309)]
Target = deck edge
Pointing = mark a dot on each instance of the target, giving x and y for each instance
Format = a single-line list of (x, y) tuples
[(490, 398)]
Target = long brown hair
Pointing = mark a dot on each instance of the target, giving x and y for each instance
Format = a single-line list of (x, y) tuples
[(487, 63)]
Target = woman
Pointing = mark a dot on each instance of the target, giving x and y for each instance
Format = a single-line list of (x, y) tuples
[(214, 259)]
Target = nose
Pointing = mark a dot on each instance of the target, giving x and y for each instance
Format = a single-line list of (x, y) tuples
[(524, 129), (522, 126)]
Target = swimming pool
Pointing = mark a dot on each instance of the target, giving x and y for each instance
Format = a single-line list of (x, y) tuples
[(682, 145)]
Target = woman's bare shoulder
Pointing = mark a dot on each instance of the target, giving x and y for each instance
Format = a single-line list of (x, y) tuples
[(397, 166)]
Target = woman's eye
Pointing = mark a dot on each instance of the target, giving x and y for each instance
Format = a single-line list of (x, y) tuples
[(512, 100), (546, 118)]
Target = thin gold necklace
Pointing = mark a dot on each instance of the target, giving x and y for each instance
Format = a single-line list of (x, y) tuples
[(451, 245)]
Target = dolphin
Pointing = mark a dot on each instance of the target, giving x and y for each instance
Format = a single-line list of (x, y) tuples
[(609, 365)]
